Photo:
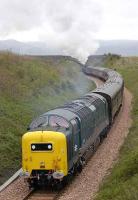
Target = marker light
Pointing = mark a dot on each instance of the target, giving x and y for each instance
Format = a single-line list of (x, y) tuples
[(49, 146), (33, 147)]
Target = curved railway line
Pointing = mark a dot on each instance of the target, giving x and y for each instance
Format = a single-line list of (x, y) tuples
[(94, 171)]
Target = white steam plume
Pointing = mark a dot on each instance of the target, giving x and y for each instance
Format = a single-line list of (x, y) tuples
[(69, 27)]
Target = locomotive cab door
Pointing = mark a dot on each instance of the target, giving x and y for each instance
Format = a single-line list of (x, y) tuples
[(76, 138)]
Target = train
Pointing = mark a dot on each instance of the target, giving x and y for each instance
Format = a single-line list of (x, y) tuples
[(58, 143)]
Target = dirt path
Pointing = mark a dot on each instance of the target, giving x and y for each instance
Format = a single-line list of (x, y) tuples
[(85, 186)]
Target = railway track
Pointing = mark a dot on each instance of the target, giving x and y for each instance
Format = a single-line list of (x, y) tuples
[(41, 195)]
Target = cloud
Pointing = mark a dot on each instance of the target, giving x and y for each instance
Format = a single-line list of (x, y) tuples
[(119, 20), (69, 27)]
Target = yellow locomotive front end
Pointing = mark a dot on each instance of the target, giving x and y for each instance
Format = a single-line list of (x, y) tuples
[(44, 157)]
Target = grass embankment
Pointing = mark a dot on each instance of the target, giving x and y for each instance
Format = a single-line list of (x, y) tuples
[(29, 86), (122, 184)]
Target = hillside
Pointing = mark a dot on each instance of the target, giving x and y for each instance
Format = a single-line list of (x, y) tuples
[(122, 184), (95, 60), (121, 47), (30, 86), (31, 48)]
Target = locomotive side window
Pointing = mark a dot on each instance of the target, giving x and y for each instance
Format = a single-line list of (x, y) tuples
[(75, 125), (76, 135)]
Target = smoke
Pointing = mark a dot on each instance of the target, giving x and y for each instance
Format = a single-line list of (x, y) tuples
[(82, 85), (69, 27)]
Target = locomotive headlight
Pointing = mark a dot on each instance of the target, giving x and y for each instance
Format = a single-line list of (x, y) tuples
[(49, 146), (33, 147)]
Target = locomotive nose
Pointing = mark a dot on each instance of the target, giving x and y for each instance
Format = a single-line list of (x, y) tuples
[(45, 151)]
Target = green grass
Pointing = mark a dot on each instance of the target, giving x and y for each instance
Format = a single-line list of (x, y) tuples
[(29, 86), (122, 184)]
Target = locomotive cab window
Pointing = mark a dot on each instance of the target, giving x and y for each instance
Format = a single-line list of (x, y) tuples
[(39, 122), (75, 125), (57, 121), (50, 120)]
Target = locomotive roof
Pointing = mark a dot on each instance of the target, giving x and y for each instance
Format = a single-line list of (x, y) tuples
[(68, 115), (78, 108), (113, 82), (109, 88), (112, 75), (58, 111)]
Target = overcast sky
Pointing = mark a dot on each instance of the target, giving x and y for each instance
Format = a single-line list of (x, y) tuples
[(71, 26), (119, 19)]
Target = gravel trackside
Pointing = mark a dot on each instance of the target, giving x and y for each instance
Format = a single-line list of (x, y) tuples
[(85, 186), (15, 191)]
